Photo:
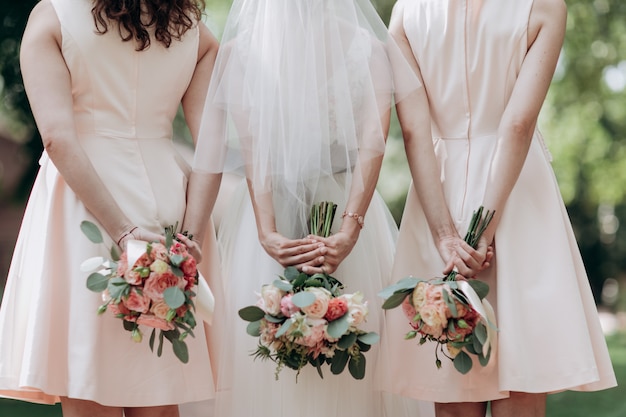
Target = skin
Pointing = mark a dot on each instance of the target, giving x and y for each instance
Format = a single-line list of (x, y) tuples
[(50, 97), (546, 32)]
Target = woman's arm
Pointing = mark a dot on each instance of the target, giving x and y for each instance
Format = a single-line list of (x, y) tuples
[(48, 86), (546, 32), (414, 116), (203, 187)]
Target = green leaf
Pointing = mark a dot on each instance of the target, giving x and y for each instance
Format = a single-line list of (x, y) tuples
[(462, 362), (160, 348), (449, 302), (291, 273), (481, 333), (283, 329), (346, 341), (180, 350), (356, 366), (91, 231), (313, 282), (129, 325), (396, 299), (303, 299), (339, 361), (176, 259), (407, 283), (115, 253), (369, 338), (254, 328), (484, 360), (152, 338), (118, 287), (273, 319), (177, 271), (97, 282), (251, 313), (174, 297), (339, 327), (283, 285), (481, 288)]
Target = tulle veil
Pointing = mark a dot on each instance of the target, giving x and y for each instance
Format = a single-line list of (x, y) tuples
[(298, 94)]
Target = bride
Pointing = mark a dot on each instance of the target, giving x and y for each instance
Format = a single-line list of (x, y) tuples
[(300, 106)]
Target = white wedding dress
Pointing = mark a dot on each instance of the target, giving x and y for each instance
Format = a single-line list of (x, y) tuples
[(299, 91)]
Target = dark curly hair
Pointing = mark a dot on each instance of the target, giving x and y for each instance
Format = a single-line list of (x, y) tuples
[(169, 18)]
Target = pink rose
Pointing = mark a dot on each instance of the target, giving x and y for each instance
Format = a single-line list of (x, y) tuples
[(133, 277), (314, 332), (189, 267), (156, 322), (178, 248), (137, 302), (118, 308), (159, 252), (268, 332), (337, 307), (318, 309), (157, 283), (410, 313), (287, 307), (122, 264), (433, 316)]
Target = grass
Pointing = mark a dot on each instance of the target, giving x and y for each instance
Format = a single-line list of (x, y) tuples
[(608, 403)]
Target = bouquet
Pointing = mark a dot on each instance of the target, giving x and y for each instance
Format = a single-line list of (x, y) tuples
[(149, 284), (449, 311), (304, 319)]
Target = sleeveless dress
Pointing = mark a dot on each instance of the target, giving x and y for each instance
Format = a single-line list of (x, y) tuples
[(52, 341), (550, 337)]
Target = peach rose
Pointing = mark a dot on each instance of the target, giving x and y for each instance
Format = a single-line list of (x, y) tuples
[(156, 322), (419, 295), (314, 330), (318, 309), (118, 309), (122, 264), (137, 302), (337, 307), (432, 316), (410, 313), (157, 283), (159, 252), (160, 309)]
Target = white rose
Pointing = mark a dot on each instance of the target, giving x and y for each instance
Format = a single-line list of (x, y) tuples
[(357, 308), (271, 297)]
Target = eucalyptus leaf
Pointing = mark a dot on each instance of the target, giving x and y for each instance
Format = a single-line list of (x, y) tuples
[(251, 313), (462, 362), (97, 282), (449, 302), (174, 297), (481, 288), (303, 299), (283, 285), (180, 350), (160, 348), (115, 253), (291, 273), (369, 338), (481, 333), (396, 299), (407, 283), (254, 328), (356, 366), (118, 288), (177, 271), (339, 362), (283, 329), (273, 319), (92, 264), (346, 341), (129, 325), (484, 360), (313, 282), (176, 259), (91, 231), (339, 327)]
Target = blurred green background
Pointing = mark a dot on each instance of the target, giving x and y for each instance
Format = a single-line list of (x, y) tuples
[(583, 121)]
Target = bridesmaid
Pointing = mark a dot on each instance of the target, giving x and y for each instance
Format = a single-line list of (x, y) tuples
[(471, 140), (105, 79)]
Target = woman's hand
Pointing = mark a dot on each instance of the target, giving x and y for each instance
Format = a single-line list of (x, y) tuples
[(192, 246), (137, 233), (300, 253), (460, 256), (338, 247)]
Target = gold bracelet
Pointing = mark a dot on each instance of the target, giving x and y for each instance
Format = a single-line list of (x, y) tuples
[(356, 216)]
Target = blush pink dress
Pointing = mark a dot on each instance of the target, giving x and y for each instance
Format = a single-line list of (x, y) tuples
[(549, 339), (52, 342)]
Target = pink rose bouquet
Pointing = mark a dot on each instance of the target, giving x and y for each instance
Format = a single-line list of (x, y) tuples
[(150, 284), (449, 311), (305, 319)]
